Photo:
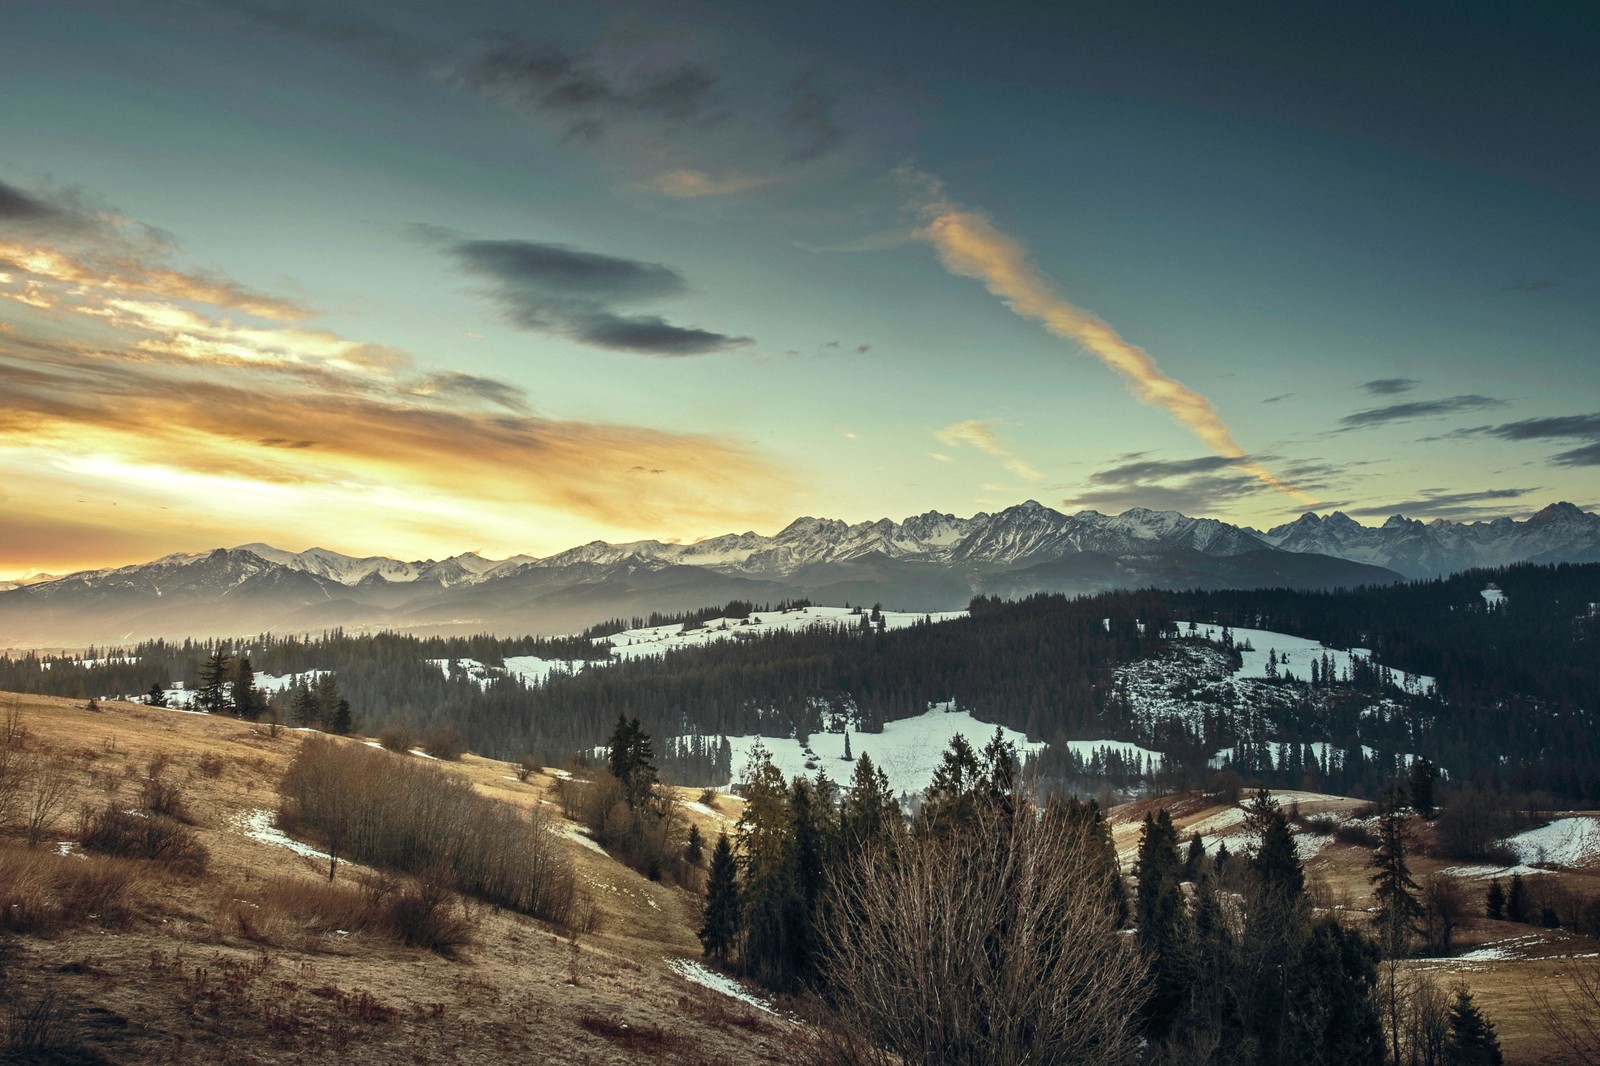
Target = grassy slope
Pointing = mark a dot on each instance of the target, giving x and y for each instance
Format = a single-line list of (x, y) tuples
[(184, 979)]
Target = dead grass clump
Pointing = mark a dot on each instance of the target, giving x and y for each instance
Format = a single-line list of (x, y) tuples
[(211, 765), (1320, 825), (424, 913), (136, 834), (631, 1037), (45, 892)]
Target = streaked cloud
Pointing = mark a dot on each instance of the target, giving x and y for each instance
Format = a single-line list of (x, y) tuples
[(1405, 412), (981, 435), (687, 183), (554, 288), (1584, 428), (1442, 503), (970, 245), (1390, 386)]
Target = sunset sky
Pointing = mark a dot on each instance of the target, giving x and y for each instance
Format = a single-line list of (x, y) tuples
[(414, 279)]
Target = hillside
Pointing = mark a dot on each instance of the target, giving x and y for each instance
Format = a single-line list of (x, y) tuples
[(237, 965)]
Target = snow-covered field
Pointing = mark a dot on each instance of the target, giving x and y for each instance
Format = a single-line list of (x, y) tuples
[(1294, 655), (181, 698), (1564, 842), (907, 750)]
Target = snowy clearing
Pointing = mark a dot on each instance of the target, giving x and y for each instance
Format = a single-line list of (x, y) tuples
[(907, 751), (690, 970), (1564, 842), (257, 825), (1295, 654)]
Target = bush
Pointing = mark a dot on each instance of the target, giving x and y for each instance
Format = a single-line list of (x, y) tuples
[(113, 831), (1356, 833), (160, 796), (396, 738), (443, 742), (211, 765), (416, 817), (1320, 825)]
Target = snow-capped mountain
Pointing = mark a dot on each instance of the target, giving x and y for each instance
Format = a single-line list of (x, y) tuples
[(1559, 533), (928, 562)]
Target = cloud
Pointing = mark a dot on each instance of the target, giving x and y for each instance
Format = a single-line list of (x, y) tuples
[(554, 288), (540, 78), (1438, 503), (458, 383), (688, 183), (1390, 386), (968, 244), (1402, 412), (16, 205), (810, 115), (1155, 469), (1557, 427), (1535, 285), (979, 435), (148, 390)]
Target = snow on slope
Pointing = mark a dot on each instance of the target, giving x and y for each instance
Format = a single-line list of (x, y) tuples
[(1295, 655), (1564, 842)]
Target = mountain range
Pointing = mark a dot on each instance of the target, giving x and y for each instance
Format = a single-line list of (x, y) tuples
[(927, 562)]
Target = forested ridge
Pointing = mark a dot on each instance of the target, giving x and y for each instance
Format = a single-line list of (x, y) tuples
[(1517, 684)]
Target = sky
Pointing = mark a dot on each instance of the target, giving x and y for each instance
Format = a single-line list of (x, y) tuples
[(414, 279)]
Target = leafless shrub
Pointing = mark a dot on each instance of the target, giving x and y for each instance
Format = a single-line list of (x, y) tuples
[(13, 741), (48, 789), (397, 738), (526, 767), (443, 742), (1444, 910), (211, 765), (993, 945), (414, 816), (159, 794), (1320, 824), (1572, 1014), (1356, 833), (112, 831)]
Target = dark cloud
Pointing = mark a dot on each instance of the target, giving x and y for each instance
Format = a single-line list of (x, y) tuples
[(453, 383), (863, 349), (1536, 285), (649, 335), (1557, 427), (554, 288), (280, 442), (1157, 469), (561, 270), (1278, 398), (1437, 503), (1390, 386), (16, 205), (539, 77), (1203, 495), (810, 117), (1402, 412)]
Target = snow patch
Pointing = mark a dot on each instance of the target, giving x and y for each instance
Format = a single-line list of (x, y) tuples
[(690, 970)]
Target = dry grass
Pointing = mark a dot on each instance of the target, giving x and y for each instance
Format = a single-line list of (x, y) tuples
[(260, 960)]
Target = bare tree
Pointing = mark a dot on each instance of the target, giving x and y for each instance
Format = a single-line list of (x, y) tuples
[(990, 946), (1572, 1016), (1444, 910), (48, 787), (12, 738)]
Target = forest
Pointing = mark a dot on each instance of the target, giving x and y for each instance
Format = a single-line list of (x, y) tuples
[(1514, 705)]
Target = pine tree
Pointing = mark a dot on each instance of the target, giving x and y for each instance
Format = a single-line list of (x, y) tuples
[(1495, 904), (327, 697), (304, 708), (1420, 781), (1195, 858), (157, 696), (1162, 922), (769, 883), (248, 702), (1517, 901), (212, 695), (720, 924), (694, 847), (869, 816), (1277, 923), (847, 756), (1472, 1037), (1393, 888), (343, 718)]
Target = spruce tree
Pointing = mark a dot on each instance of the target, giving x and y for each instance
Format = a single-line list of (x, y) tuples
[(1195, 858), (694, 847), (719, 927), (343, 718), (769, 894), (1420, 781), (248, 703), (1393, 889), (1277, 922), (1162, 921), (1495, 903), (212, 694), (1517, 901), (1472, 1037)]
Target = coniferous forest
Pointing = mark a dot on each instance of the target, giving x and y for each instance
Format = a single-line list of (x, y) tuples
[(1517, 684)]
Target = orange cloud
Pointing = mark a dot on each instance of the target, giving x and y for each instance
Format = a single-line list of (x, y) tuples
[(970, 245), (689, 184), (980, 436)]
